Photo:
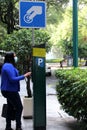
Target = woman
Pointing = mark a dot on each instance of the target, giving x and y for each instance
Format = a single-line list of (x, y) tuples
[(10, 87)]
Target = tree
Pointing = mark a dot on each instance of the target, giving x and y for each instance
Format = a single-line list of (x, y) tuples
[(21, 43), (63, 36), (2, 33), (8, 12)]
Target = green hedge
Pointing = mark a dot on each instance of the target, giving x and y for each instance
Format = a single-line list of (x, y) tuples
[(72, 92), (54, 60)]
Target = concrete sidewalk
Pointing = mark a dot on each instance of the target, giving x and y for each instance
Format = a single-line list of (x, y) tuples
[(57, 119)]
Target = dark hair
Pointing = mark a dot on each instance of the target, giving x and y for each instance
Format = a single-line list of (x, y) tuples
[(9, 58)]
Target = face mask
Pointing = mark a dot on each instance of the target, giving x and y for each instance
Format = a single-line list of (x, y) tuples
[(16, 59)]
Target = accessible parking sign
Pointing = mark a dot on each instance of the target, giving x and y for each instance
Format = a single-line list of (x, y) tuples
[(32, 14)]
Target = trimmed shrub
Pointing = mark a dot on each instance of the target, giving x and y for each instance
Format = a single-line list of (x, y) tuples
[(72, 91)]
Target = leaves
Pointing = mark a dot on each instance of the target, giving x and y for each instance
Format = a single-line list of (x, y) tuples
[(72, 92), (21, 42)]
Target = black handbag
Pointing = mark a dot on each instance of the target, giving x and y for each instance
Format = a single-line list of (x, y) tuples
[(4, 112)]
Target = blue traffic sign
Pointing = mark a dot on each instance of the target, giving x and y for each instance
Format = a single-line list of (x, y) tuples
[(32, 14)]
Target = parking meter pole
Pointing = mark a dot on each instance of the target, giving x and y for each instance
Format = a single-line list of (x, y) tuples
[(39, 87)]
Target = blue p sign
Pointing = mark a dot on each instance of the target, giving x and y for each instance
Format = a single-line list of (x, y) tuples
[(40, 62)]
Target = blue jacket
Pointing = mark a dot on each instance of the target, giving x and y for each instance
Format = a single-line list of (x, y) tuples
[(10, 78)]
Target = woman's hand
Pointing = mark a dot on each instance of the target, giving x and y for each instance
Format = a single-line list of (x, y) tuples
[(27, 74)]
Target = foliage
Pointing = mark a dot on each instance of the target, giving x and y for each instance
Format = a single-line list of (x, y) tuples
[(72, 92), (21, 43), (64, 36), (2, 31), (61, 33), (9, 14), (54, 60), (57, 3)]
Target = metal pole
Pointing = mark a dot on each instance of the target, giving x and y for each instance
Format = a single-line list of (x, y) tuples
[(33, 33), (33, 36), (75, 33)]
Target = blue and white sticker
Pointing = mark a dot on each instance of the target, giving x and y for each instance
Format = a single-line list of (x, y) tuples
[(40, 62)]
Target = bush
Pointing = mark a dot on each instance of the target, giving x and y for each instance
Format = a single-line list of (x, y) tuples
[(72, 92), (54, 60)]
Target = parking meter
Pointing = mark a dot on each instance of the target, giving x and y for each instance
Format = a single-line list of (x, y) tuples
[(39, 87)]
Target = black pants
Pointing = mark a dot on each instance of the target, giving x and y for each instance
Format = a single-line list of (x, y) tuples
[(13, 100)]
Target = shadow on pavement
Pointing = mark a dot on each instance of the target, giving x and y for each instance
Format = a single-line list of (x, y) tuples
[(76, 125)]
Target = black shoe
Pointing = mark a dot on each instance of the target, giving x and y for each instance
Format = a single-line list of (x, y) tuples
[(8, 129), (18, 128)]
